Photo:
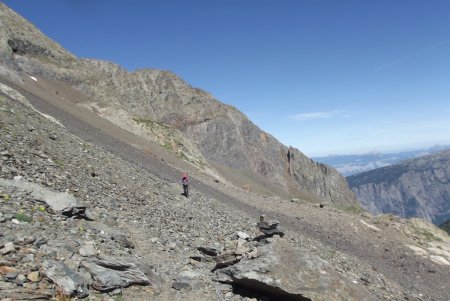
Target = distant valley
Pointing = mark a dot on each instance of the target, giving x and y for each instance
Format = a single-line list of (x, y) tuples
[(413, 188), (352, 164)]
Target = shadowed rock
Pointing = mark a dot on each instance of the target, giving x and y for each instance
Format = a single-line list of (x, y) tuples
[(294, 275), (111, 273), (70, 282)]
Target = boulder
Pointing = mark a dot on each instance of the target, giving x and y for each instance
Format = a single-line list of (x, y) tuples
[(112, 273), (68, 281), (285, 272)]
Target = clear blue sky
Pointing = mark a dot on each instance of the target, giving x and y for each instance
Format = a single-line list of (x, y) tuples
[(323, 76)]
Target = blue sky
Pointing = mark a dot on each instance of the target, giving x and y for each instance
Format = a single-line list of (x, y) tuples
[(328, 77)]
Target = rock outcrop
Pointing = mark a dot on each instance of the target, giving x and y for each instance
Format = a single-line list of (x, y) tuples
[(413, 188), (209, 129)]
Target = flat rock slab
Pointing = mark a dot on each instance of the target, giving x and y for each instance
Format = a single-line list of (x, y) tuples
[(69, 281), (113, 273), (293, 275), (57, 201)]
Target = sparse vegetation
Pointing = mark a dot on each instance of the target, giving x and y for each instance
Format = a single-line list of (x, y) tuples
[(118, 297), (59, 163), (22, 217), (5, 197), (149, 122), (354, 209), (428, 235)]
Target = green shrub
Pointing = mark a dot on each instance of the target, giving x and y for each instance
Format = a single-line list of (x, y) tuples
[(22, 217)]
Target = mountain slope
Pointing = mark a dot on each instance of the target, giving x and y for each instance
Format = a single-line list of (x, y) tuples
[(224, 136), (413, 188)]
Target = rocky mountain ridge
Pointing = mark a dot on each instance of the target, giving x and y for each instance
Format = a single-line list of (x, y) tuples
[(219, 134), (414, 188)]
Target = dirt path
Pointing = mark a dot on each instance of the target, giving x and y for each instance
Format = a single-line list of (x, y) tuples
[(383, 253)]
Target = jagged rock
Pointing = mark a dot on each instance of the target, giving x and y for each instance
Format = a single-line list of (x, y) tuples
[(8, 248), (123, 240), (268, 225), (11, 275), (272, 232), (295, 275), (22, 241), (78, 212), (40, 242), (68, 281), (243, 235), (269, 228), (112, 273), (225, 260), (33, 276), (208, 251)]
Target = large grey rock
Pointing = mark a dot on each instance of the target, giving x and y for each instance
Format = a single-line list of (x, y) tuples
[(69, 281), (57, 201), (112, 273), (282, 272)]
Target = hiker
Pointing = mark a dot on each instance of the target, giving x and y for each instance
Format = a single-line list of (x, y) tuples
[(185, 182)]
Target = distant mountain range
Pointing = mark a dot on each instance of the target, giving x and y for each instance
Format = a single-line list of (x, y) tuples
[(351, 164), (414, 188)]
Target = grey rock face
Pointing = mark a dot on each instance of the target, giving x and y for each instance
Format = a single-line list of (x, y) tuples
[(414, 188), (69, 281)]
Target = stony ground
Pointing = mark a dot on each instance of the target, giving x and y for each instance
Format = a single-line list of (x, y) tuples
[(138, 217)]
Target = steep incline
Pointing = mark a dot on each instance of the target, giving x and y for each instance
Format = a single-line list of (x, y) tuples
[(222, 134), (414, 188)]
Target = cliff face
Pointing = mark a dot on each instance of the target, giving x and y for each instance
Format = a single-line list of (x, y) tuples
[(222, 134), (419, 187)]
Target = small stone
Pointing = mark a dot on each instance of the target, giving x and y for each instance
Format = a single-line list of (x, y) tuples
[(172, 245), (123, 241), (87, 251), (8, 248), (21, 278), (11, 276), (33, 276), (154, 239), (208, 251), (40, 242), (180, 285), (6, 269), (243, 235)]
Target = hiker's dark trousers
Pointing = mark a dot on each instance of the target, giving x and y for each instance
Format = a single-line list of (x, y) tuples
[(186, 190)]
